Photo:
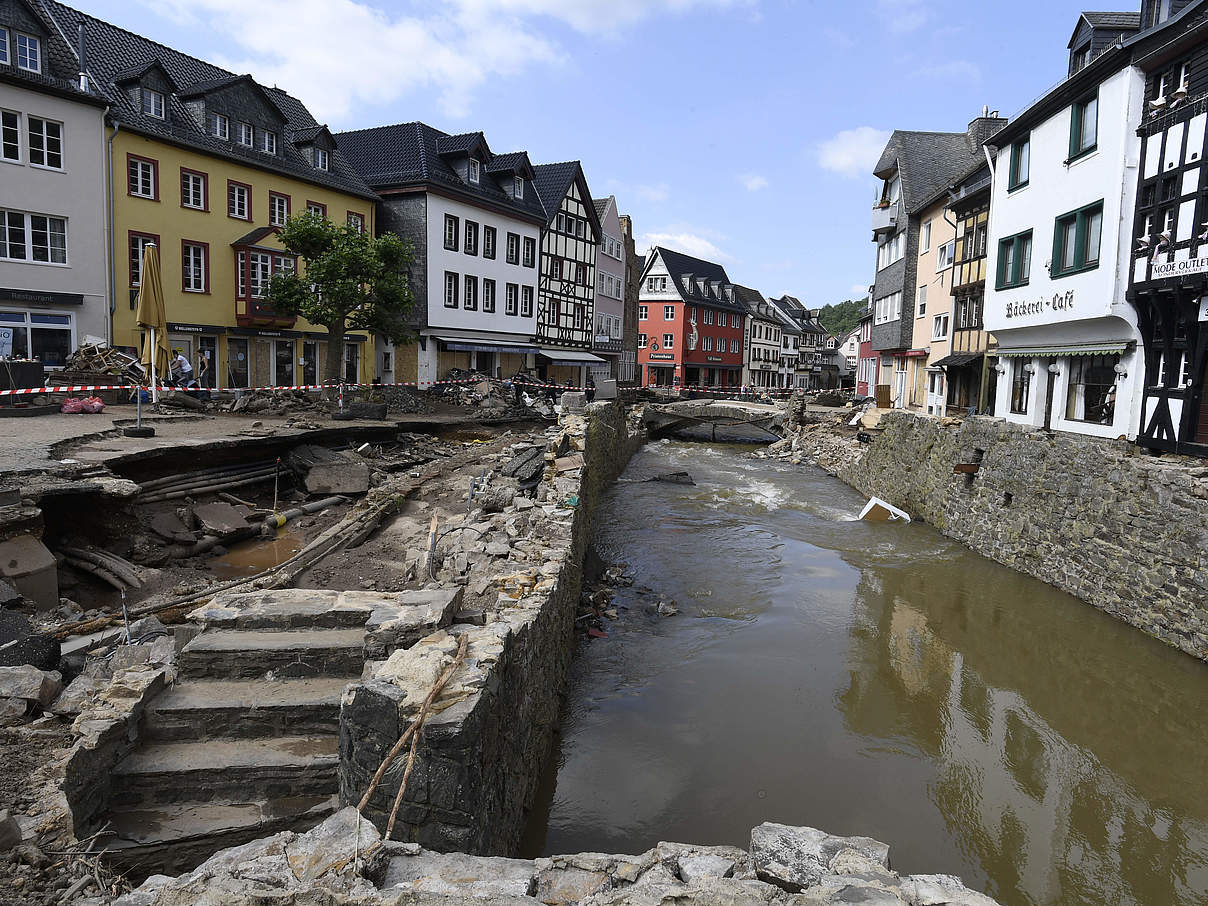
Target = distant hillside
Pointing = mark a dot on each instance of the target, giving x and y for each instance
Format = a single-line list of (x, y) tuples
[(843, 317)]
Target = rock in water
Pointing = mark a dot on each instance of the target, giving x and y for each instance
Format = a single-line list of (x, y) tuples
[(794, 858), (674, 478)]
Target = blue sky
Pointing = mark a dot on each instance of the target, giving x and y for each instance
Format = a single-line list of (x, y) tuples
[(741, 130)]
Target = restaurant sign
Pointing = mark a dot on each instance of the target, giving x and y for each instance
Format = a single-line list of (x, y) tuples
[(662, 356)]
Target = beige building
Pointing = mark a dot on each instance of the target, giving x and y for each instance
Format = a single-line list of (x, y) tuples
[(931, 342)]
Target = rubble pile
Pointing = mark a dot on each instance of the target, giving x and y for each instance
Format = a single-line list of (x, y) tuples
[(344, 860), (272, 402), (96, 364)]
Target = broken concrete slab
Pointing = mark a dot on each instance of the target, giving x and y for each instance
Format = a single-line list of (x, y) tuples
[(325, 471), (794, 858), (31, 568), (30, 684), (171, 527), (457, 874), (220, 519)]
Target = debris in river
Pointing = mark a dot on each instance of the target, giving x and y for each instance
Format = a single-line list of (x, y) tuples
[(667, 608), (673, 478), (877, 510)]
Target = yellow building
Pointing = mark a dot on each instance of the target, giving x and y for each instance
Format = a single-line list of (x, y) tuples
[(206, 164), (931, 339)]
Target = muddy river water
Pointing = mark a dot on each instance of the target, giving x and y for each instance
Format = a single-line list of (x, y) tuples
[(872, 679)]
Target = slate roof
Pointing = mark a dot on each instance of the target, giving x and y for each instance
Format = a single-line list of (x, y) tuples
[(60, 75), (115, 54), (405, 155), (553, 181), (678, 265), (1111, 19), (788, 324), (754, 302), (601, 205), (510, 162), (927, 162)]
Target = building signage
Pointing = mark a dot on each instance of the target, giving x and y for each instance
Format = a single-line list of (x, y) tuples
[(33, 297), (177, 327), (1179, 268), (712, 358), (1059, 302), (662, 356)]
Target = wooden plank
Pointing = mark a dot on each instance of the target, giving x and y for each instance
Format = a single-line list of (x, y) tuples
[(966, 468)]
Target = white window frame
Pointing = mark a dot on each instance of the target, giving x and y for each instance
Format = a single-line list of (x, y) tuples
[(44, 132), (146, 168), (222, 126), (452, 289), (236, 191), (193, 268), (518, 186), (276, 199), (921, 304), (526, 301), (511, 299), (195, 182), (30, 43), (268, 142), (643, 312), (668, 312), (322, 159), (668, 340), (26, 226), (945, 255), (641, 341), (4, 57), (474, 170), (925, 238), (939, 327), (247, 135), (154, 103)]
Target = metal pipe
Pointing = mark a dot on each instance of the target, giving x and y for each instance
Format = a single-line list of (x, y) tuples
[(216, 472), (276, 520), (205, 489)]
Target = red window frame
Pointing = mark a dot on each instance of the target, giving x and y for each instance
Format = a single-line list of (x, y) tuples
[(205, 271), (317, 204), (205, 189), (289, 206), (235, 182), (154, 175), (154, 237), (359, 216)]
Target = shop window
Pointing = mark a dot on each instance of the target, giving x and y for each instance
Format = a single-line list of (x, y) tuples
[(237, 362), (1021, 385), (1091, 396)]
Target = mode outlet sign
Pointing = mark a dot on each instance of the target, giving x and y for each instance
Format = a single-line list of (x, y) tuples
[(1179, 268)]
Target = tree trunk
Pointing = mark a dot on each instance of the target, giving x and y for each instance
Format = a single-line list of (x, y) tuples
[(333, 368)]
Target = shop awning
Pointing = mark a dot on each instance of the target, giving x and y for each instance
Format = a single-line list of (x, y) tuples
[(568, 357), (461, 344), (957, 360), (1070, 349)]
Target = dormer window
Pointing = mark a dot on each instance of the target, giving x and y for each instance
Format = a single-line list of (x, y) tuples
[(222, 127), (1081, 57), (153, 103), (4, 58), (473, 171), (29, 53), (247, 134), (1184, 76), (322, 161), (268, 142), (518, 186)]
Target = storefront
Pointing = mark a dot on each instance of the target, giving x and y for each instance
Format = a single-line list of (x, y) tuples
[(39, 325), (567, 365)]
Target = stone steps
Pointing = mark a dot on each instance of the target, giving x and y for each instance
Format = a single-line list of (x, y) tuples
[(226, 769), (200, 709), (227, 754), (234, 653), (176, 837)]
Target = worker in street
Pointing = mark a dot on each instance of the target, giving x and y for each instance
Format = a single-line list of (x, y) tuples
[(181, 368)]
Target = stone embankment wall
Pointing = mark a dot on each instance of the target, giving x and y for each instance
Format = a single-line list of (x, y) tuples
[(483, 749), (1120, 529), (344, 860)]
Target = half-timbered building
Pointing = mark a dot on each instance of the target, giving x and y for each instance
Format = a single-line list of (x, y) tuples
[(567, 277), (1169, 279)]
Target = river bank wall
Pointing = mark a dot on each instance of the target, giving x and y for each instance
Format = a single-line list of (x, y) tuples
[(1124, 531), (475, 776)]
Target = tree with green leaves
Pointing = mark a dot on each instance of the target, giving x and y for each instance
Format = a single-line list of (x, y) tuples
[(350, 280), (842, 318)]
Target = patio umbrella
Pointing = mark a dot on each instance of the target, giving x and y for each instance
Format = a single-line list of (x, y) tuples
[(151, 316)]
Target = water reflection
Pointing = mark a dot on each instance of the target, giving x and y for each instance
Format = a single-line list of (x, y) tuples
[(875, 679)]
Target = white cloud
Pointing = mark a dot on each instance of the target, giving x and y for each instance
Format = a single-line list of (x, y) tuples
[(904, 15), (688, 242), (852, 152), (859, 289), (753, 181), (339, 55)]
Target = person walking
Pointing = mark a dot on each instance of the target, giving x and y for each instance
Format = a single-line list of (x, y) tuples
[(182, 368)]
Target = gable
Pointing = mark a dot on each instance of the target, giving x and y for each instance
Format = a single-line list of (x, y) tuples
[(17, 15)]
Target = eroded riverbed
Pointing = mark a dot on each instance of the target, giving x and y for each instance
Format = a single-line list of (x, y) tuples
[(872, 679)]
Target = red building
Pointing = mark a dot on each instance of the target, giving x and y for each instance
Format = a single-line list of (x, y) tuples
[(690, 325), (869, 362)]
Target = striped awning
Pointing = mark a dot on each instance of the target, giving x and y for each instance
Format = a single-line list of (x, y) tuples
[(1071, 349)]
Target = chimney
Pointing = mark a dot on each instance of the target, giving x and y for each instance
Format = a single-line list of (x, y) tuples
[(81, 49), (983, 127)]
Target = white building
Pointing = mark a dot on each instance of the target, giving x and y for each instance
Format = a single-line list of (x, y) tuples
[(1064, 183), (762, 343), (610, 291), (53, 261), (474, 221)]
